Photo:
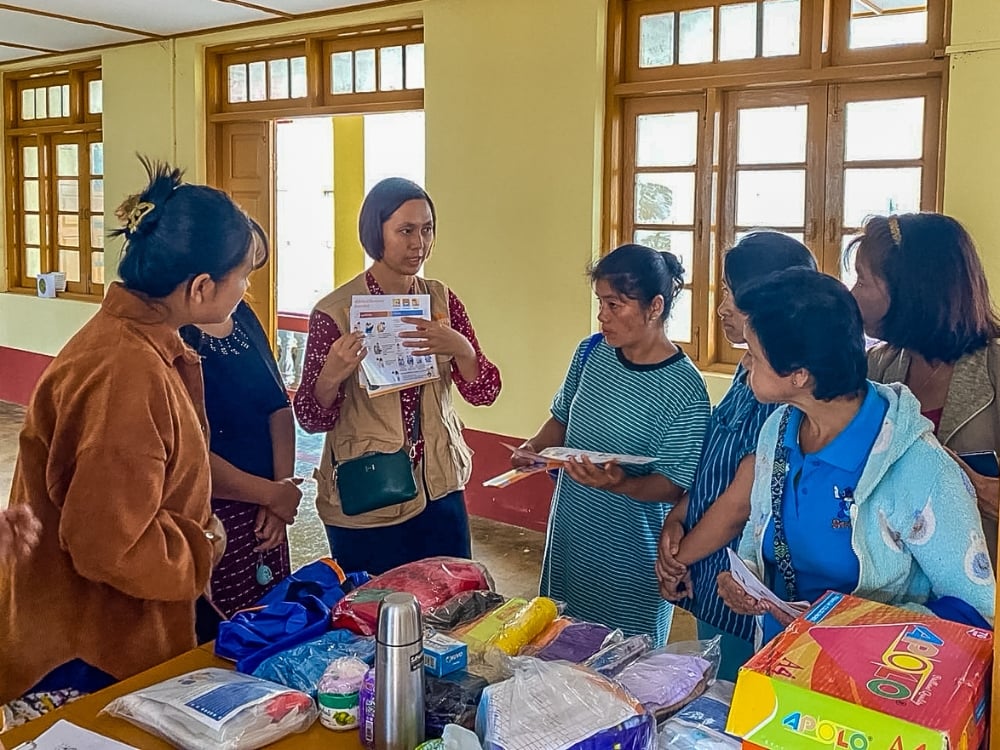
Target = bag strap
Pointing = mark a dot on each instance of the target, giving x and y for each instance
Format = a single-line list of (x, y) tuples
[(415, 434), (779, 477), (591, 345)]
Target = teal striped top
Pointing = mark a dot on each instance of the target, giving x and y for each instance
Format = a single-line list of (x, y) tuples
[(600, 551)]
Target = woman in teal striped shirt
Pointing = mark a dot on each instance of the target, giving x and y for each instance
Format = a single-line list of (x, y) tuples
[(635, 393)]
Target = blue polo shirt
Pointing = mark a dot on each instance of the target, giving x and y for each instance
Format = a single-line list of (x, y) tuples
[(819, 492)]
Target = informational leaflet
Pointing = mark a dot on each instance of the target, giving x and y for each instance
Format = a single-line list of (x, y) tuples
[(554, 458), (64, 735), (389, 365), (757, 590)]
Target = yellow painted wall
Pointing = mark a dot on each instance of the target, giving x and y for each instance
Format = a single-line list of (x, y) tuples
[(514, 101), (972, 154)]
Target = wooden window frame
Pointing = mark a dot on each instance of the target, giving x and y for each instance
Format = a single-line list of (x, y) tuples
[(81, 128), (316, 48), (842, 54), (635, 9), (819, 68)]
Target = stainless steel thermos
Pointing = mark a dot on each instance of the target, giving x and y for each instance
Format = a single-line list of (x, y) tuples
[(399, 674)]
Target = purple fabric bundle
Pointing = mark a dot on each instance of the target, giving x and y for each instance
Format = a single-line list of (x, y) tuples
[(576, 643)]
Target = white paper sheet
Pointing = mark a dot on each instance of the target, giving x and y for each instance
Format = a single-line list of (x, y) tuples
[(64, 735), (757, 590)]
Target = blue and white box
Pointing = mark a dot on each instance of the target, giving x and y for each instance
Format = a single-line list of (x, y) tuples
[(444, 655)]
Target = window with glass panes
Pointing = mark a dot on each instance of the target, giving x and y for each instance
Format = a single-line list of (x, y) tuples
[(344, 71), (792, 115), (55, 165)]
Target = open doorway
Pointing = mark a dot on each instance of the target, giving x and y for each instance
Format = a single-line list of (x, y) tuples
[(323, 168)]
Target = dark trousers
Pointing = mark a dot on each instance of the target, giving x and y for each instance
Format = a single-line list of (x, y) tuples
[(442, 528)]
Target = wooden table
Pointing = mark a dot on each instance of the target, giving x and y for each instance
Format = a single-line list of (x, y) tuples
[(84, 712)]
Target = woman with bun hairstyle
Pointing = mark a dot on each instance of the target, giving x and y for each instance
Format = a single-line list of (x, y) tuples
[(114, 458), (629, 390)]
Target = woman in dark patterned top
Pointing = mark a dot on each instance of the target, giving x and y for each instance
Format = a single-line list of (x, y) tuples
[(253, 456)]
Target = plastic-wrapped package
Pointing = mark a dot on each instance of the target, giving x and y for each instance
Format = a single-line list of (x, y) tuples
[(301, 667), (215, 709), (536, 615), (667, 679), (338, 693), (454, 737), (701, 724), (577, 642), (451, 700), (461, 609), (559, 706), (252, 636), (432, 581), (617, 655)]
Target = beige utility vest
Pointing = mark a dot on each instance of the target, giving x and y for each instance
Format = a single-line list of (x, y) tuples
[(376, 425)]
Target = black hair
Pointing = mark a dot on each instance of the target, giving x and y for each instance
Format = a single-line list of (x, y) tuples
[(939, 299), (175, 231), (761, 253), (383, 201), (810, 321), (641, 273)]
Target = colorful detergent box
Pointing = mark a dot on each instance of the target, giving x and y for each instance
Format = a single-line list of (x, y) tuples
[(857, 675), (444, 655)]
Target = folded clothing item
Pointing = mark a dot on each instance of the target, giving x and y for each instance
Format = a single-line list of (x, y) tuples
[(462, 608), (432, 581), (452, 699), (665, 682), (253, 635), (576, 643), (215, 709)]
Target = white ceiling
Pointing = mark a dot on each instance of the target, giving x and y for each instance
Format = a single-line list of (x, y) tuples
[(29, 28)]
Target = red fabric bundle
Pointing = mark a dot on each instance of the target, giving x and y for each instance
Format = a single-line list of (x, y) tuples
[(432, 581)]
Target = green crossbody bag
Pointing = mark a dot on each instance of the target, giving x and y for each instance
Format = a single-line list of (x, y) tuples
[(378, 480)]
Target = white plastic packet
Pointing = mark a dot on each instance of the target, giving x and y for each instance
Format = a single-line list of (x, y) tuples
[(215, 709), (701, 725)]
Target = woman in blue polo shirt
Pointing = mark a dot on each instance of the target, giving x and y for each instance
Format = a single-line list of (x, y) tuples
[(851, 490), (712, 515)]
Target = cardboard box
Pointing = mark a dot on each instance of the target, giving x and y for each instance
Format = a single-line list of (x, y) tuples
[(857, 675), (444, 655)]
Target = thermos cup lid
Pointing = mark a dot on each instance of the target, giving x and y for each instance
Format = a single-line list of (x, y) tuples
[(399, 620)]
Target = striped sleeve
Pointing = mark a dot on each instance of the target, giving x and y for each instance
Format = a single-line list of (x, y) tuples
[(681, 436)]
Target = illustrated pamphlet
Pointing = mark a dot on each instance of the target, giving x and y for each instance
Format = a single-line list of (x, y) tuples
[(389, 365), (554, 458)]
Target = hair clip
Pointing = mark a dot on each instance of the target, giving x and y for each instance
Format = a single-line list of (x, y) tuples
[(897, 235), (137, 214)]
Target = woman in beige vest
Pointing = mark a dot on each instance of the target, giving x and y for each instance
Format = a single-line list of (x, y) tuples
[(397, 226), (922, 291)]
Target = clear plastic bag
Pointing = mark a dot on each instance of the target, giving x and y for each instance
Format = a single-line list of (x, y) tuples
[(215, 709), (451, 700), (462, 609), (669, 678), (302, 666), (701, 724), (432, 581), (560, 706), (616, 655)]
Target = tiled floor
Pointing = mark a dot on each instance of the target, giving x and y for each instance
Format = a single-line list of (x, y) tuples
[(512, 555)]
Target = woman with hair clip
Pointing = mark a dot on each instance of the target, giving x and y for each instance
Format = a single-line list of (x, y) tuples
[(712, 515), (851, 492), (114, 460), (922, 291), (629, 391), (397, 227)]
